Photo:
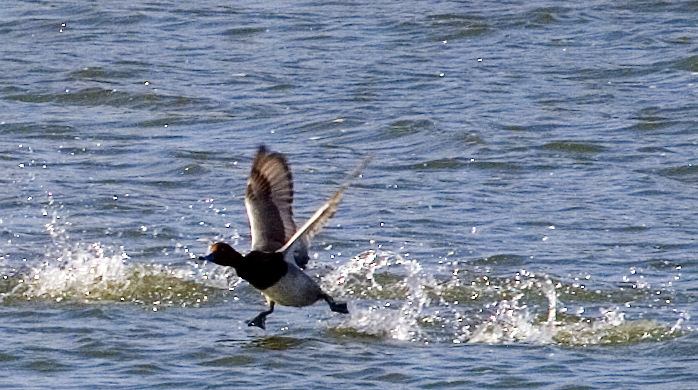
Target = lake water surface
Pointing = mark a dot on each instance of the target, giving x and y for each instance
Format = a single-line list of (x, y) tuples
[(529, 218)]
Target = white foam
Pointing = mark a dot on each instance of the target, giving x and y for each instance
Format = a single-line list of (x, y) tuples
[(91, 272), (76, 273), (395, 299), (398, 319)]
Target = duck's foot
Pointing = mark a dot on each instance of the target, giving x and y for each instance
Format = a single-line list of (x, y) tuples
[(261, 318), (339, 307), (259, 321)]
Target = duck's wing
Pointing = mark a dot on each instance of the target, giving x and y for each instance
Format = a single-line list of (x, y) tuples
[(313, 225), (268, 200)]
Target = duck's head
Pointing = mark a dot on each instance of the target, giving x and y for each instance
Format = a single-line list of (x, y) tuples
[(223, 254)]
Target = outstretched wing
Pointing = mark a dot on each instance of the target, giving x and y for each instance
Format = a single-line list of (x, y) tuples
[(313, 225), (268, 200)]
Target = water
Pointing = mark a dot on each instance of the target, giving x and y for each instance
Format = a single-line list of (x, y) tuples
[(528, 220)]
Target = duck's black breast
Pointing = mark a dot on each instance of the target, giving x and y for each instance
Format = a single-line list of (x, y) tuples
[(262, 270)]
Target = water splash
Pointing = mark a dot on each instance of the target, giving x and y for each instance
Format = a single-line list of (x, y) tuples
[(613, 329), (91, 272), (407, 294), (395, 299), (76, 272), (513, 320)]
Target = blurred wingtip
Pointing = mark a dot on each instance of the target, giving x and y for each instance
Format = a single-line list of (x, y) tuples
[(313, 225)]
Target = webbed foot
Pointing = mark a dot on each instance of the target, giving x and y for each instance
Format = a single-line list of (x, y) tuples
[(339, 307), (261, 318), (259, 321)]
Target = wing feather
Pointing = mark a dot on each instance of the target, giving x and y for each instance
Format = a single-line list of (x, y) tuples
[(313, 225), (269, 201)]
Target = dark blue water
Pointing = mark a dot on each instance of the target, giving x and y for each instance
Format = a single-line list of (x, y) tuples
[(528, 219)]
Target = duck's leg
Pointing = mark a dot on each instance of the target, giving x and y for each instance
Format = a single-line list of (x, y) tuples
[(261, 317), (339, 307)]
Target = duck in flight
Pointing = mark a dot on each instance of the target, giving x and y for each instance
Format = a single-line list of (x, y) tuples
[(279, 250)]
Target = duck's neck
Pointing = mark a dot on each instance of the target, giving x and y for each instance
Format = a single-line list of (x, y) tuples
[(262, 270)]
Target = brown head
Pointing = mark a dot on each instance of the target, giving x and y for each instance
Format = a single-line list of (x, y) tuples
[(223, 254)]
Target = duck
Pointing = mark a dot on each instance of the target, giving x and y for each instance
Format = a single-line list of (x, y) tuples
[(279, 250)]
